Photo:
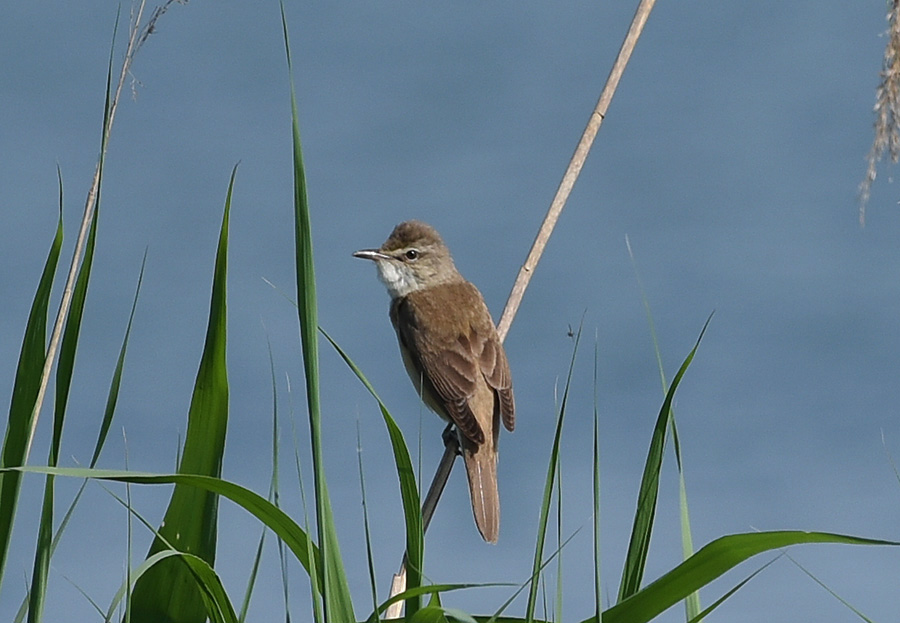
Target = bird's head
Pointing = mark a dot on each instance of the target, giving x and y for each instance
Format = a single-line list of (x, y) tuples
[(412, 258)]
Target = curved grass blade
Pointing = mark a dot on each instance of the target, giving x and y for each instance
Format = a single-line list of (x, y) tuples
[(548, 490), (710, 562), (169, 592), (409, 491), (437, 589), (638, 546), (439, 614), (20, 423), (212, 594), (276, 519), (337, 601)]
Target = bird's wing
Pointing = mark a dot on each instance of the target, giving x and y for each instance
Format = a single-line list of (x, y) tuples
[(448, 357), (495, 368)]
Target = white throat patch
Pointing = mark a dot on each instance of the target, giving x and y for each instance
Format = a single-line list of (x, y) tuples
[(398, 279)]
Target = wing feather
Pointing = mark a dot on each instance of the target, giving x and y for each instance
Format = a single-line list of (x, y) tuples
[(457, 350)]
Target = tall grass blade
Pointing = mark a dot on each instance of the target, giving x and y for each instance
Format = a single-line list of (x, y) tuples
[(101, 439), (409, 491), (64, 370), (168, 592), (369, 557), (315, 562), (558, 600), (112, 396), (273, 490), (598, 595), (638, 546), (496, 617), (548, 491), (38, 590), (692, 602), (337, 602), (19, 427), (129, 535), (709, 563), (68, 348), (251, 581)]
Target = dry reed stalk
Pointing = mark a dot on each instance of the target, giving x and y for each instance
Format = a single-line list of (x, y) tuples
[(398, 585), (136, 38)]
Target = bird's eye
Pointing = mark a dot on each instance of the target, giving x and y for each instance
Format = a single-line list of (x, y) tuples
[(412, 255)]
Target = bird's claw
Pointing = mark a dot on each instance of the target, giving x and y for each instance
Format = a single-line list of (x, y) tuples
[(451, 439)]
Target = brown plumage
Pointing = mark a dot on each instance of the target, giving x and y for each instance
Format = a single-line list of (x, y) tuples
[(452, 353)]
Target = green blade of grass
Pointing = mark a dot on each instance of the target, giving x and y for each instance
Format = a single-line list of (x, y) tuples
[(41, 567), (213, 598), (548, 491), (273, 489), (497, 616), (710, 562), (101, 438), (369, 557), (315, 562), (558, 599), (337, 601), (112, 396), (692, 602), (436, 589), (639, 544), (598, 603), (46, 541), (830, 591), (270, 515), (64, 370), (168, 592), (439, 614), (409, 491), (129, 536), (19, 427), (697, 618)]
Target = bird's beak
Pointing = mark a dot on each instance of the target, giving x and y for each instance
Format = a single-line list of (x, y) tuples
[(371, 254)]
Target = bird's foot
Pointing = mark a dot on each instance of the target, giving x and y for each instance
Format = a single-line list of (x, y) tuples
[(451, 439)]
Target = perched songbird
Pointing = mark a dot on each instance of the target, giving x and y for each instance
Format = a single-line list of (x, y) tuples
[(452, 353)]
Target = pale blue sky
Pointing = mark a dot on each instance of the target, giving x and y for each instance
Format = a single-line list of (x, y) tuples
[(730, 157)]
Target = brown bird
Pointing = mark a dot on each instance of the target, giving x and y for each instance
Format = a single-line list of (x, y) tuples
[(452, 353)]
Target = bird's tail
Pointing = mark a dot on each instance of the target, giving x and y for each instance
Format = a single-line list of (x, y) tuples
[(481, 468)]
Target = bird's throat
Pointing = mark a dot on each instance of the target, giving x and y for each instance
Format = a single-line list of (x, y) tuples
[(397, 278)]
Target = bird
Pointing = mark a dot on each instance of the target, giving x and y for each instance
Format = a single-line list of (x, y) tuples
[(452, 354)]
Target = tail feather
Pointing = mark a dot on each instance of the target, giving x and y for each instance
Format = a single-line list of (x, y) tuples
[(481, 469)]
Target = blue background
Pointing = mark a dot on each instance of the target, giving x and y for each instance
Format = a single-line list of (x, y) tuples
[(730, 157)]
